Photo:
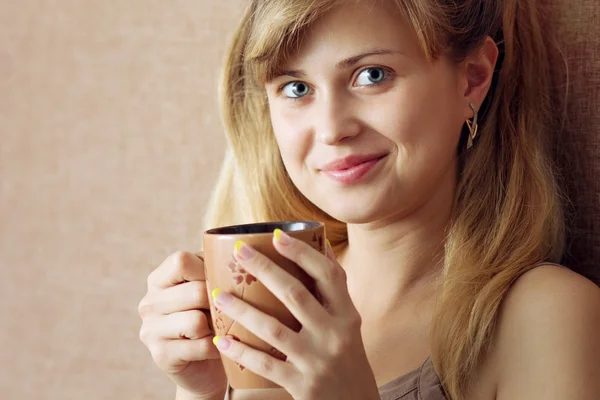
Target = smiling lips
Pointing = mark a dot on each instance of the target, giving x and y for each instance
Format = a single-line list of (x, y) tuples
[(353, 168)]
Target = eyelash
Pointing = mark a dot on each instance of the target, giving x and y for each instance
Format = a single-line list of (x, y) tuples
[(388, 75)]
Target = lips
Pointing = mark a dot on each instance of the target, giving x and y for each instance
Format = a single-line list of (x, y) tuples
[(353, 169), (351, 162)]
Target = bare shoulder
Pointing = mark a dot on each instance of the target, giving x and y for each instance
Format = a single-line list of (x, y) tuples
[(549, 285), (550, 294), (547, 341)]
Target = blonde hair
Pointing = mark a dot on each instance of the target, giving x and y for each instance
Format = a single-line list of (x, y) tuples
[(507, 212)]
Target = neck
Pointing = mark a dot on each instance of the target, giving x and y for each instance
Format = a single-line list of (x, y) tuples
[(394, 264)]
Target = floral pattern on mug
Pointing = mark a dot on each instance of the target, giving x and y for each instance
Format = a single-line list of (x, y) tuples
[(278, 354), (240, 275), (318, 241)]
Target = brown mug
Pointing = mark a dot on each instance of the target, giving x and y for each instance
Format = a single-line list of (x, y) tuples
[(222, 271)]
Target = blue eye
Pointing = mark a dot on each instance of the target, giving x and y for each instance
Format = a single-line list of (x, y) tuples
[(296, 90), (371, 76)]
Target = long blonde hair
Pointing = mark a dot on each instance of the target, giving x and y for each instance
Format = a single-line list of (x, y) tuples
[(507, 212)]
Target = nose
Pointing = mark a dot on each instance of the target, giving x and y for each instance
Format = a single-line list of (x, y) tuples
[(335, 120)]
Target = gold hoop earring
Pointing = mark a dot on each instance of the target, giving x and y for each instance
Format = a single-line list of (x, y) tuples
[(473, 127)]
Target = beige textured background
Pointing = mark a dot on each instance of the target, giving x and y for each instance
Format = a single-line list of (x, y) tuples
[(109, 143)]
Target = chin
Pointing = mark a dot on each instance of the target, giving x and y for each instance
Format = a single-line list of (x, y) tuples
[(357, 213), (356, 205)]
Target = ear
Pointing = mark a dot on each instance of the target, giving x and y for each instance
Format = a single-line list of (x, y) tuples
[(478, 69)]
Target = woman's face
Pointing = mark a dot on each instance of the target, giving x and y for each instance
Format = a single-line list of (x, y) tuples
[(367, 127)]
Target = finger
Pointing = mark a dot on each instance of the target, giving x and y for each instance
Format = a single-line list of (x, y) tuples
[(174, 355), (289, 290), (329, 275), (183, 325), (179, 267), (183, 297), (330, 253), (261, 363), (267, 328)]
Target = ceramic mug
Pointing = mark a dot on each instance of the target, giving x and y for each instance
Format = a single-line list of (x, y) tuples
[(223, 272)]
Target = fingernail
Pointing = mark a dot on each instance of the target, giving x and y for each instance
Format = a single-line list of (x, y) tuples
[(243, 250), (221, 342), (221, 297), (281, 236), (328, 242)]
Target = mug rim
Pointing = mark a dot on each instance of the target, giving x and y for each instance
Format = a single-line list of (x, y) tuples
[(275, 224)]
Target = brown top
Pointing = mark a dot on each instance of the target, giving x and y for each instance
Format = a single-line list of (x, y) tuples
[(422, 383)]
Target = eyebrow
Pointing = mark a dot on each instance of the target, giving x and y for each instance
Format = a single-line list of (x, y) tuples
[(346, 63)]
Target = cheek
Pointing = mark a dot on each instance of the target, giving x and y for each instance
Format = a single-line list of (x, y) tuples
[(292, 137), (434, 114), (425, 112)]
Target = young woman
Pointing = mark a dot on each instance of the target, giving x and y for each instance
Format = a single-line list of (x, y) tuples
[(419, 131)]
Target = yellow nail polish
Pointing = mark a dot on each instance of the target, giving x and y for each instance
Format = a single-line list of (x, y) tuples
[(277, 234), (238, 246), (216, 340), (328, 242), (215, 293)]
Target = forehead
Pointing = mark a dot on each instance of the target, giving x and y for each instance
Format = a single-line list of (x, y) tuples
[(353, 28)]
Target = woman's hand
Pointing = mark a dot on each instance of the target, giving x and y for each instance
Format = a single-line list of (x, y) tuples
[(175, 327), (326, 359)]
